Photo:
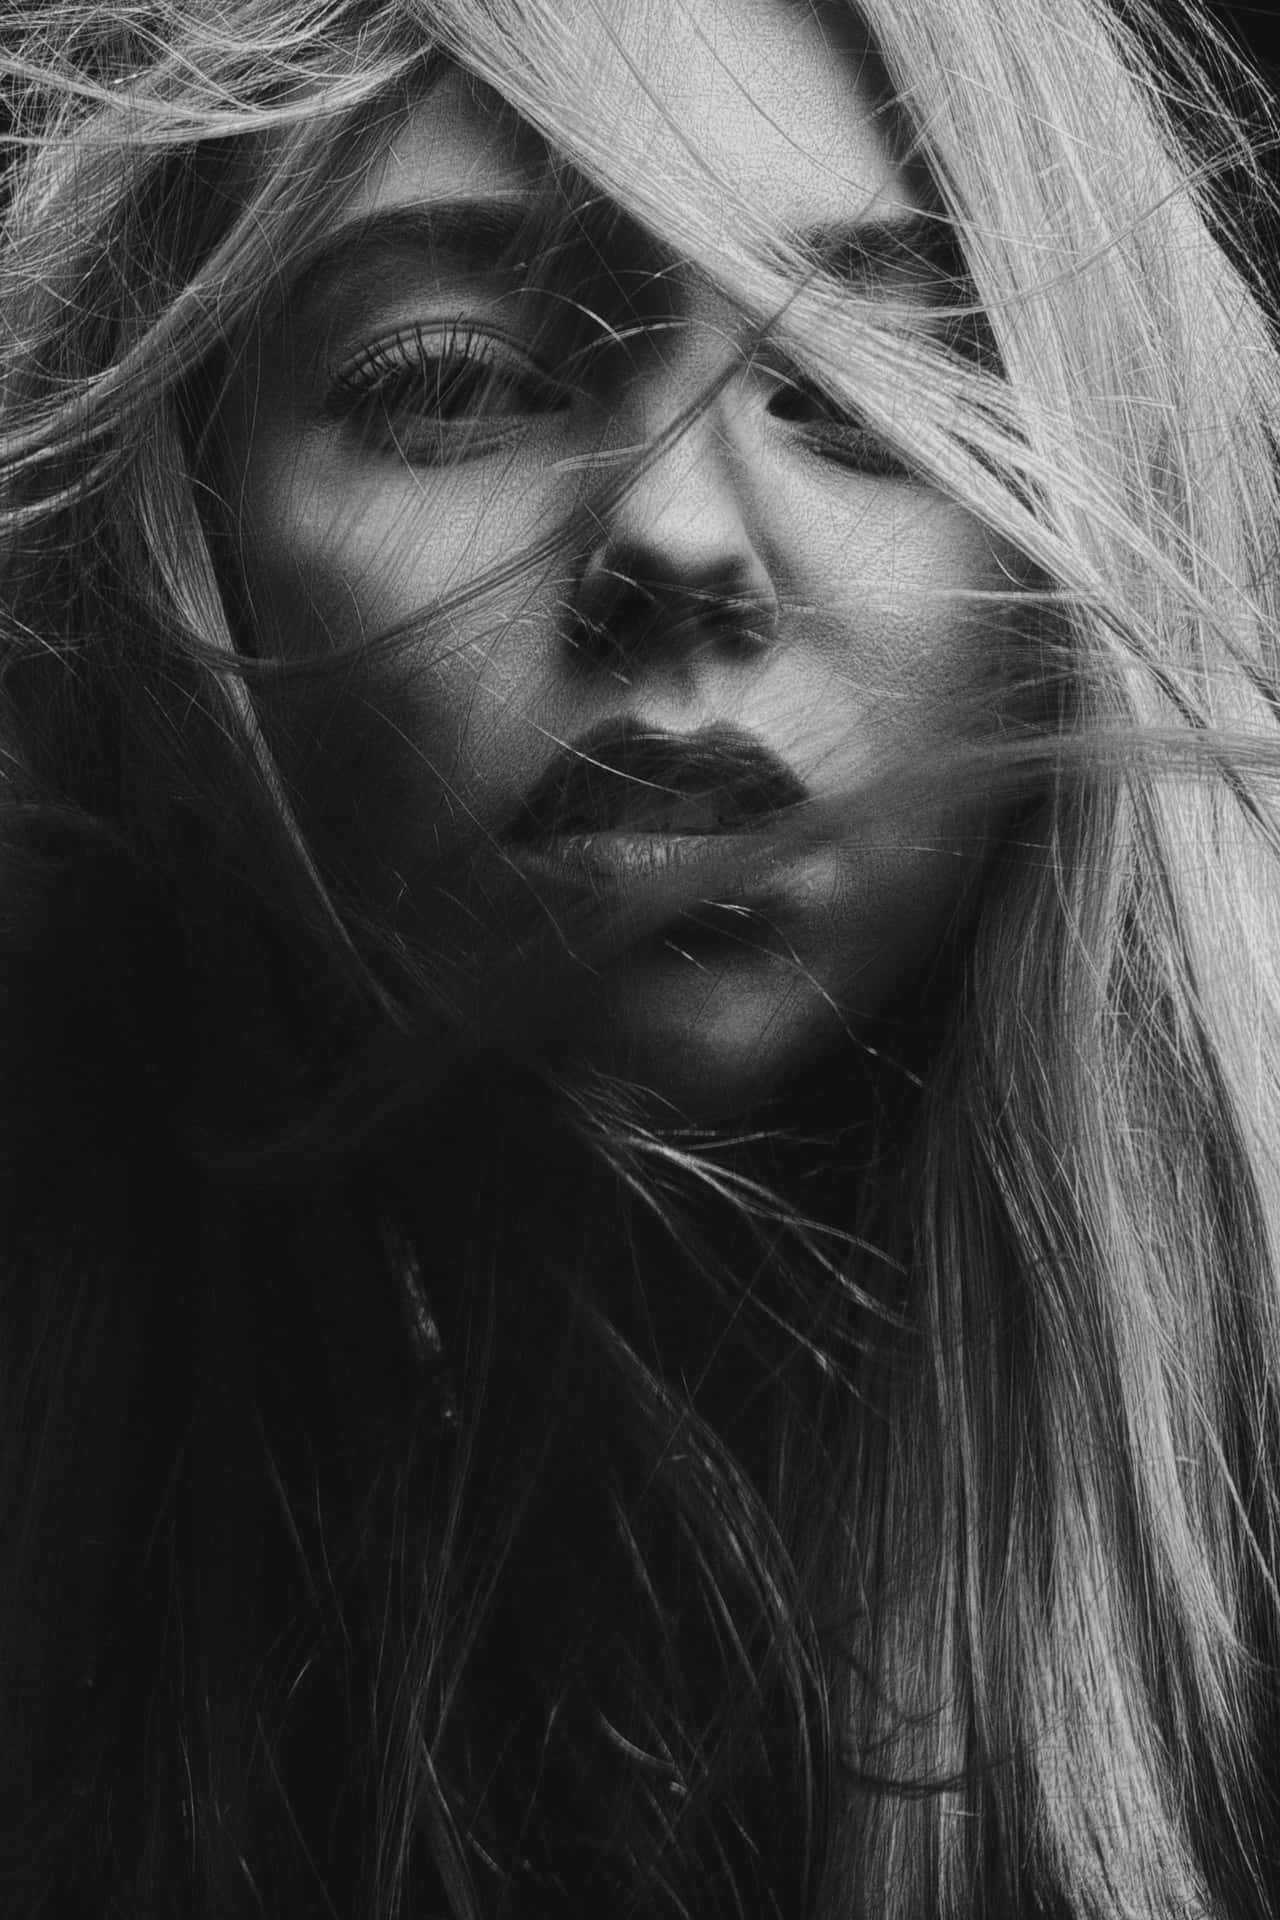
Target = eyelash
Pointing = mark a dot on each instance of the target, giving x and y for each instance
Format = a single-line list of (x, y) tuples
[(835, 433), (426, 391), (396, 393)]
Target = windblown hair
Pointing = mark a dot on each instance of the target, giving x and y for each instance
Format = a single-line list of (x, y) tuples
[(607, 1539)]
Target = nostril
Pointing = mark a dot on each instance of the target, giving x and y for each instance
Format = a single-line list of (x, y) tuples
[(624, 613), (742, 621), (613, 616)]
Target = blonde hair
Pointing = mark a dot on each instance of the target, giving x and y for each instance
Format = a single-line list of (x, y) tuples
[(1022, 1643)]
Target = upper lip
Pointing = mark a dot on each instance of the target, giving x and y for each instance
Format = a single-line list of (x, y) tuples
[(628, 776)]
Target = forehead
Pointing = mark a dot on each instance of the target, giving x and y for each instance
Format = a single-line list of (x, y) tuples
[(774, 96)]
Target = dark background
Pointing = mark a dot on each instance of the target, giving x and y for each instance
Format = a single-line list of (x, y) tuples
[(1258, 29)]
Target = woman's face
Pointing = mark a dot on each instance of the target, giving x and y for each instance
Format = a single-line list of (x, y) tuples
[(771, 606)]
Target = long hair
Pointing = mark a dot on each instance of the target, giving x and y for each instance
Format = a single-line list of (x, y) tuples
[(377, 1535)]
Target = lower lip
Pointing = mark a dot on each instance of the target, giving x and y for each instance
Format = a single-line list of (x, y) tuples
[(620, 857)]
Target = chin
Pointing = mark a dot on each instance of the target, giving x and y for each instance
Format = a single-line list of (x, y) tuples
[(713, 1037)]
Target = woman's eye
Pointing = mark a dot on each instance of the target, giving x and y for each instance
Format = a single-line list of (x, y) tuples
[(834, 431), (433, 395)]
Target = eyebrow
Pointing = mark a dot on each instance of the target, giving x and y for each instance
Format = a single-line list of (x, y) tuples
[(478, 234), (483, 235)]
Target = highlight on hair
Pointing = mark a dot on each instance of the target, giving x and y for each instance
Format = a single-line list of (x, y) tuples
[(428, 1486)]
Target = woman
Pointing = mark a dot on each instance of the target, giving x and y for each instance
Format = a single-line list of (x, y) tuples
[(640, 1029)]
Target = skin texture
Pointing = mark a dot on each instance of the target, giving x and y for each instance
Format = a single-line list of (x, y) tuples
[(848, 634)]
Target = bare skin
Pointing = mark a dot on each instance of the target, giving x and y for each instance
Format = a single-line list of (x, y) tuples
[(794, 585)]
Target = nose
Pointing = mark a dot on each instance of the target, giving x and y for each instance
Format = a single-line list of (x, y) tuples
[(678, 575)]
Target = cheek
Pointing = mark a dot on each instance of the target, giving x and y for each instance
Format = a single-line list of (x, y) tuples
[(455, 707), (911, 612), (903, 568), (917, 640), (355, 548)]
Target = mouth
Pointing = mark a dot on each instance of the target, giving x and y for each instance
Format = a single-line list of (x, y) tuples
[(633, 800), (618, 856)]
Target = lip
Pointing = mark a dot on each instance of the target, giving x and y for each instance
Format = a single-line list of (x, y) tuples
[(635, 798), (618, 855)]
